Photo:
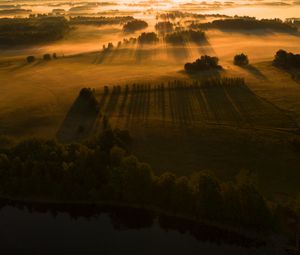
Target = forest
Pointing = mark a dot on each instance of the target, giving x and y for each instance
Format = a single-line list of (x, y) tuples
[(25, 31)]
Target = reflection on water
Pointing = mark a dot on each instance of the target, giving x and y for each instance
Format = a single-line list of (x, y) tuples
[(60, 229)]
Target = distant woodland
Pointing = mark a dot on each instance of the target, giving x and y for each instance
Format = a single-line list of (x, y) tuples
[(247, 24), (32, 30)]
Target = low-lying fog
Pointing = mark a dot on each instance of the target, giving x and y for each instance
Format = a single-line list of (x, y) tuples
[(260, 8)]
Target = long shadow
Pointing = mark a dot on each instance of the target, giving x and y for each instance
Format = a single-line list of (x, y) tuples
[(103, 55), (197, 93), (113, 101), (206, 49), (148, 100), (179, 53), (101, 104), (142, 53), (254, 71), (172, 102), (79, 121), (132, 101), (180, 104), (257, 111), (124, 101), (220, 104), (143, 105), (204, 75), (161, 100)]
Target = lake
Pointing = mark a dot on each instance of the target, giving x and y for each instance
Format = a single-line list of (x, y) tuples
[(90, 230)]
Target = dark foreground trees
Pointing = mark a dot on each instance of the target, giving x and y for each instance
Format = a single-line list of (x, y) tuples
[(102, 169), (241, 60), (204, 63)]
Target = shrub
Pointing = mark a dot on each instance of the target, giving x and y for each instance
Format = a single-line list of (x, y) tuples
[(30, 59), (47, 57), (241, 59)]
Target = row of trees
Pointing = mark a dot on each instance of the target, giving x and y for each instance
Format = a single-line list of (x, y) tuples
[(99, 21), (182, 15)]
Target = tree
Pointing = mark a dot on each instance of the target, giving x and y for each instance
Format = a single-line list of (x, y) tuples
[(202, 64), (164, 26), (30, 59), (116, 155), (209, 201), (150, 37), (47, 57), (286, 60), (241, 60), (138, 180), (135, 25)]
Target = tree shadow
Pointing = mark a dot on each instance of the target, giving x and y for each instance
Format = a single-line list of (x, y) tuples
[(179, 53), (206, 49), (254, 71), (79, 121), (204, 75)]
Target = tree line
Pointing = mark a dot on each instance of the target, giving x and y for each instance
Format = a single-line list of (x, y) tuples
[(247, 23), (99, 21)]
